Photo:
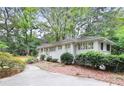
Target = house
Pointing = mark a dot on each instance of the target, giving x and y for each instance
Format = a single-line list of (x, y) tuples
[(76, 46)]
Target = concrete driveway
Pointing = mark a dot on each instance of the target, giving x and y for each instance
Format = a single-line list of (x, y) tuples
[(34, 76)]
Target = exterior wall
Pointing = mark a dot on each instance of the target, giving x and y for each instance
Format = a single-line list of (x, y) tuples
[(58, 52)]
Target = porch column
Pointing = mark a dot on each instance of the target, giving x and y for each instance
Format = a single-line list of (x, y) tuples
[(96, 45), (73, 49)]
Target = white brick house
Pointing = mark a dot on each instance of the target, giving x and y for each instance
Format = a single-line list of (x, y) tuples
[(75, 46)]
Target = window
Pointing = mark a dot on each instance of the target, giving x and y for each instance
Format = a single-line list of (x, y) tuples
[(67, 46), (46, 49), (101, 46), (59, 47), (79, 46), (41, 49), (52, 48), (89, 45), (108, 47), (84, 45)]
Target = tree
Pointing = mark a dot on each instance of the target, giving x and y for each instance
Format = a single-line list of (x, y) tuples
[(101, 21), (60, 22), (7, 21), (27, 23), (18, 28), (3, 45)]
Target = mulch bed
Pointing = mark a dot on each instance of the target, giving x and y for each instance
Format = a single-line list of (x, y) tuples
[(112, 78), (9, 72)]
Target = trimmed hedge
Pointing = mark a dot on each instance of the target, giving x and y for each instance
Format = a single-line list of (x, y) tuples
[(96, 59), (92, 59), (67, 58)]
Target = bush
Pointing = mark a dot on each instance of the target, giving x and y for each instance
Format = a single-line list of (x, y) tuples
[(5, 54), (31, 60), (121, 65), (93, 59), (9, 65), (67, 58), (121, 58), (118, 63), (17, 64), (7, 61), (114, 63), (42, 57), (49, 58), (54, 60)]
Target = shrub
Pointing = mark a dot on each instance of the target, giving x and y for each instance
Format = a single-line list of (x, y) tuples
[(49, 58), (121, 65), (31, 60), (5, 54), (42, 57), (54, 60), (95, 59), (118, 62), (67, 58), (91, 58), (19, 64), (9, 62), (9, 65), (113, 63), (121, 58)]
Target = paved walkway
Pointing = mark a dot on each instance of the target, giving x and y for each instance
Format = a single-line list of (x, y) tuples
[(33, 76)]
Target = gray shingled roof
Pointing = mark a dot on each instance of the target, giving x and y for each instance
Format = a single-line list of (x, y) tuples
[(84, 38)]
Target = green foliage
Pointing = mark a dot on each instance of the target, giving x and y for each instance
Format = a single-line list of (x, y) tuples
[(95, 59), (118, 38), (121, 58), (19, 36), (3, 45), (91, 58), (54, 60), (42, 57), (31, 60), (67, 58), (60, 22), (8, 55), (9, 62), (49, 59)]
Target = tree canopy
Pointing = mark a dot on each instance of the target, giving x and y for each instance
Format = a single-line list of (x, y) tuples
[(22, 29)]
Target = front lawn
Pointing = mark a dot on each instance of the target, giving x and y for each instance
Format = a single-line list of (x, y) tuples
[(112, 78)]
